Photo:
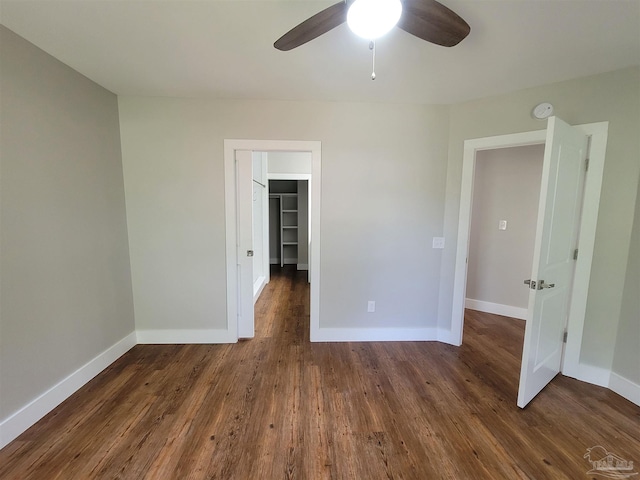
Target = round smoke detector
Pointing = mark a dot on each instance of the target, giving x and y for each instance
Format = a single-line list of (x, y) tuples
[(542, 111)]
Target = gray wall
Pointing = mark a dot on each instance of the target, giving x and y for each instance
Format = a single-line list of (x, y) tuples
[(506, 187), (283, 186), (612, 97), (274, 231), (383, 181), (303, 222), (66, 286), (627, 354)]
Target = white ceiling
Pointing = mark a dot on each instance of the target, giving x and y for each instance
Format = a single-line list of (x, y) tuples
[(224, 49)]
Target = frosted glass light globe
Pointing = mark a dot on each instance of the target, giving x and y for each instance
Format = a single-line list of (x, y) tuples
[(371, 19)]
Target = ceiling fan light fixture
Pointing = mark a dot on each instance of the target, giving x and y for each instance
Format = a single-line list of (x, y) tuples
[(370, 19)]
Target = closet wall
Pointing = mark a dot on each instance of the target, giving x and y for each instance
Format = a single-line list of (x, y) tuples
[(287, 164), (288, 223), (303, 222)]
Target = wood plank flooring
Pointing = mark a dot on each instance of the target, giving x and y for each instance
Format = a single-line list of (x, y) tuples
[(279, 407)]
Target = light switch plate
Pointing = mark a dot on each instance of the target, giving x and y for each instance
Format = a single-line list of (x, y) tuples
[(438, 242), (502, 225)]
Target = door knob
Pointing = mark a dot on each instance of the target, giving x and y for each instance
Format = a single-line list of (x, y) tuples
[(530, 283), (542, 285)]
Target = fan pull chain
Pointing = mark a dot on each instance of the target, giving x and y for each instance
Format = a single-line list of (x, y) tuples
[(372, 47)]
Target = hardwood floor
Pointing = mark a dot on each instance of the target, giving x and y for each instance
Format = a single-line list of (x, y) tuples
[(279, 407)]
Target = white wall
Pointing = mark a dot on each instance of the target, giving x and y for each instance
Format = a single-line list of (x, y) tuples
[(66, 286), (612, 97), (383, 181), (506, 187), (289, 162)]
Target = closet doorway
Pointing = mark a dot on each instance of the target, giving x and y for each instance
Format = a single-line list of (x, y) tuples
[(250, 167), (286, 231), (289, 222)]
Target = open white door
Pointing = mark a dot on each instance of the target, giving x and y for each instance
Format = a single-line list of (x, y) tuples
[(244, 242), (553, 258)]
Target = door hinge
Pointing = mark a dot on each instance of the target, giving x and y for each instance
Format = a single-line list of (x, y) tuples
[(575, 254), (586, 164), (564, 337)]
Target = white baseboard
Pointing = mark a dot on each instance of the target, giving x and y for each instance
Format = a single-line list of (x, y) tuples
[(20, 421), (303, 266), (445, 336), (496, 308), (625, 387), (590, 374), (185, 336), (373, 334), (258, 286)]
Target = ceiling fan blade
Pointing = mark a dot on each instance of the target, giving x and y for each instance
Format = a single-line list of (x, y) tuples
[(433, 22), (313, 27)]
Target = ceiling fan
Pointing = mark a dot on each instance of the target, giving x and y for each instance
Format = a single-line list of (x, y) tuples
[(426, 19)]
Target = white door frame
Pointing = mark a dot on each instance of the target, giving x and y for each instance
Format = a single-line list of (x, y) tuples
[(591, 203), (231, 220), (265, 227)]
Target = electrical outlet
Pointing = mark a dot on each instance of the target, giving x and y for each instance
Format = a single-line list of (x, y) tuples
[(438, 242), (371, 306)]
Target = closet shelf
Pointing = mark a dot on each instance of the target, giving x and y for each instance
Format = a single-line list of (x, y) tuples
[(288, 206)]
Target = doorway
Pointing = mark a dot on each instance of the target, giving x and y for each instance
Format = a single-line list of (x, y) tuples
[(503, 227), (504, 214), (240, 291), (281, 214), (597, 135), (288, 233)]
